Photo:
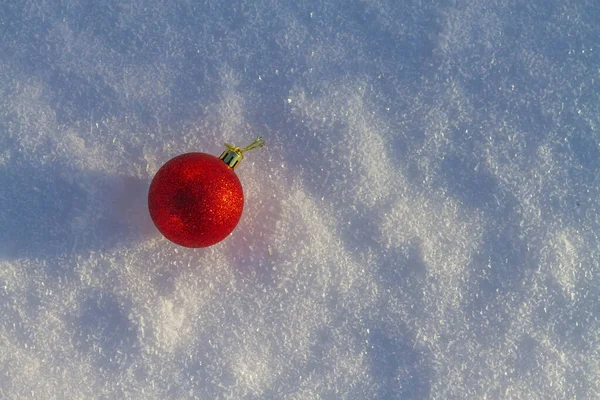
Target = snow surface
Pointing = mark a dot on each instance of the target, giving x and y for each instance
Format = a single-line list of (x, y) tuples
[(423, 224)]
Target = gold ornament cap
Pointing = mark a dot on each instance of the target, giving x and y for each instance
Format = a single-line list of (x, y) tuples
[(234, 155)]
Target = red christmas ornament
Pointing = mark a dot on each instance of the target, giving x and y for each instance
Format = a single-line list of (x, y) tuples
[(196, 199)]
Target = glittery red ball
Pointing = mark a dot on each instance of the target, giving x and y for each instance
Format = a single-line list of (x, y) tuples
[(195, 200)]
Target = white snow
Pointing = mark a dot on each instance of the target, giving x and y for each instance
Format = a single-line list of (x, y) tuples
[(423, 224)]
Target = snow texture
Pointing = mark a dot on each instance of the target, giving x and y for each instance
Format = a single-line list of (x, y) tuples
[(423, 224)]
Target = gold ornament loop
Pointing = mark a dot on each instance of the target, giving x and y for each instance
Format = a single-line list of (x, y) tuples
[(234, 154)]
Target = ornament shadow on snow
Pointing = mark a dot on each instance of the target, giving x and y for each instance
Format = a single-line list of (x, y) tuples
[(49, 211), (196, 199)]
